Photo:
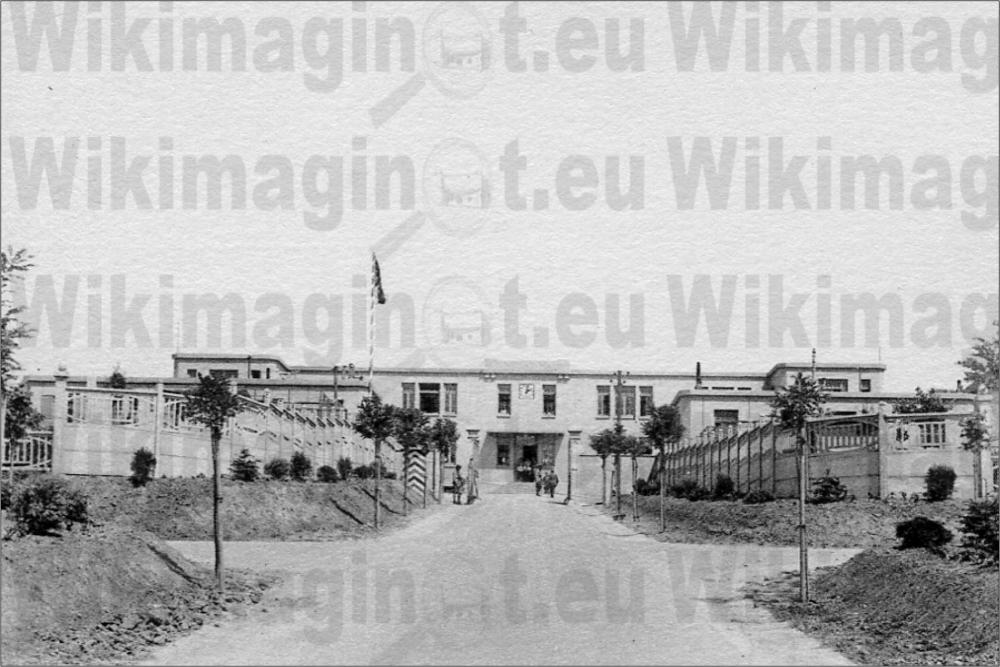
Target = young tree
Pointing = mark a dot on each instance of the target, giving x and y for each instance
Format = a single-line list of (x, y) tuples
[(982, 375), (13, 265), (633, 447), (374, 420), (976, 439), (982, 366), (211, 404), (793, 406), (411, 429), (443, 438), (663, 427), (21, 415), (603, 444), (117, 379)]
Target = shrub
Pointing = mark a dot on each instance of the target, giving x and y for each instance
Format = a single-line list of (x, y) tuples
[(922, 533), (245, 467), (644, 487), (344, 467), (690, 489), (327, 474), (724, 487), (758, 496), (940, 483), (301, 467), (980, 539), (827, 490), (143, 467), (278, 468), (43, 504), (364, 472)]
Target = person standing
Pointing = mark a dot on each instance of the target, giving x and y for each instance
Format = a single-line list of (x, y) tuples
[(551, 482), (457, 486)]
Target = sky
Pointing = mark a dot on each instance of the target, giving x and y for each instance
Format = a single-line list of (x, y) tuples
[(639, 208)]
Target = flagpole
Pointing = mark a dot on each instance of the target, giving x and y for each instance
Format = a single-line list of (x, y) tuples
[(371, 324)]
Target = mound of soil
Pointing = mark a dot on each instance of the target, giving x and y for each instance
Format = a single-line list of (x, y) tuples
[(105, 594), (859, 524), (897, 607), (181, 509)]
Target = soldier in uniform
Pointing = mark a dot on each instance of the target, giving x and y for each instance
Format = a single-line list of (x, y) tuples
[(551, 482)]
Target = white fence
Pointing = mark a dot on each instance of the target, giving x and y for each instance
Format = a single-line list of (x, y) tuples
[(96, 432)]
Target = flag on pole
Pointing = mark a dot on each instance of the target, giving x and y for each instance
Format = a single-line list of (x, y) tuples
[(376, 295), (377, 280)]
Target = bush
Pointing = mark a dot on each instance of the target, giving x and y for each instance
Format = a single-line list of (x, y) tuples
[(940, 483), (301, 467), (827, 490), (344, 467), (922, 533), (644, 487), (245, 468), (724, 487), (689, 488), (41, 505), (143, 467), (980, 539), (278, 468), (327, 474), (364, 472), (757, 497)]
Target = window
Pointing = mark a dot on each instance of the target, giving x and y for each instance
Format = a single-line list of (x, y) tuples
[(451, 399), (627, 398), (721, 388), (124, 409), (866, 385), (267, 373), (604, 401), (833, 384), (409, 395), (503, 452), (192, 372), (727, 418), (932, 434), (255, 375), (430, 398), (223, 373), (549, 400), (503, 400), (645, 401)]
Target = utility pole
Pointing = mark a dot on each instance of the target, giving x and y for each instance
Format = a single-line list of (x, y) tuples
[(618, 379)]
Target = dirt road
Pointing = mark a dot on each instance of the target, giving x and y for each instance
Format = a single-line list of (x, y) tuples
[(513, 579)]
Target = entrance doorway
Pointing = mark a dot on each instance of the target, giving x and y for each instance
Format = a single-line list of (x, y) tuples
[(528, 460)]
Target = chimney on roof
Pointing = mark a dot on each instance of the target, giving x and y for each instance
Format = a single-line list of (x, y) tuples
[(697, 375)]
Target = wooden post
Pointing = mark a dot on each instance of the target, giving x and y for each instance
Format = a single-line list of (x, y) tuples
[(774, 459)]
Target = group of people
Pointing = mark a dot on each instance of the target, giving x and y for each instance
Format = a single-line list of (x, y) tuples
[(547, 482), (468, 485)]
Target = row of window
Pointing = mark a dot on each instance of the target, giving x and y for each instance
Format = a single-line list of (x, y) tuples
[(442, 398)]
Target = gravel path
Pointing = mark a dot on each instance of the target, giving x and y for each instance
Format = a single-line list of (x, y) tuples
[(513, 579)]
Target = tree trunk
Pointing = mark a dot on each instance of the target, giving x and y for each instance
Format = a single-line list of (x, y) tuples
[(406, 481), (977, 473), (604, 481), (635, 493), (618, 486), (216, 501), (803, 549), (378, 479), (663, 486)]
